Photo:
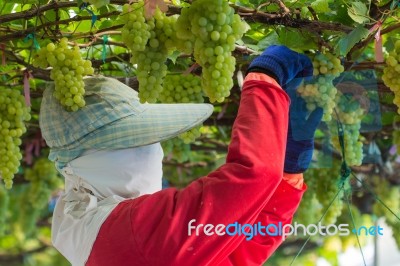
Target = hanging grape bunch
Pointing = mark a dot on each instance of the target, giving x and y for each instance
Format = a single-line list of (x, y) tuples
[(183, 89), (391, 73), (321, 92), (13, 114), (213, 28), (68, 70), (349, 113)]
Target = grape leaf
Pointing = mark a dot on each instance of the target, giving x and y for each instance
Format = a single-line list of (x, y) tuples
[(151, 5), (358, 12), (347, 42), (321, 6)]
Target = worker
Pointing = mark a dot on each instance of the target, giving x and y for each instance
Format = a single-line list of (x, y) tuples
[(113, 211)]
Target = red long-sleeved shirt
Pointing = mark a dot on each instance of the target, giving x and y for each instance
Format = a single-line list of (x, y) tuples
[(248, 188)]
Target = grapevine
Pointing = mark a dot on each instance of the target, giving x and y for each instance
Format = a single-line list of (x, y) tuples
[(68, 70), (213, 28), (13, 114), (391, 73)]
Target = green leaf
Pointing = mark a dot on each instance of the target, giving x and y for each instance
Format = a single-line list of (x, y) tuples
[(358, 12), (271, 39), (296, 39), (347, 42), (387, 118), (174, 56), (321, 6)]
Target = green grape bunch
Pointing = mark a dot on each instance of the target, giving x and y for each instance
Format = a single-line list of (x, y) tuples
[(321, 92), (391, 73), (183, 89), (68, 70), (44, 179), (327, 64), (13, 115), (350, 113), (212, 28), (136, 32), (322, 186), (151, 67)]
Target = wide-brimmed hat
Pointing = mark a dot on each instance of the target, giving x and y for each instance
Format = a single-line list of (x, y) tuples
[(113, 118)]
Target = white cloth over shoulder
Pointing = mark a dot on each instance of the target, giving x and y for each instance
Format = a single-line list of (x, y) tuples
[(94, 185)]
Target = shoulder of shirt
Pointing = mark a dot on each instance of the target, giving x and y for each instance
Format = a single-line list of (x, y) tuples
[(255, 76)]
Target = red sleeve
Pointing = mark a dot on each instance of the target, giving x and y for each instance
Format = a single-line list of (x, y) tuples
[(236, 192), (278, 211)]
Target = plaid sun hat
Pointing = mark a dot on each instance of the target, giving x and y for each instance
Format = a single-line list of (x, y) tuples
[(113, 118)]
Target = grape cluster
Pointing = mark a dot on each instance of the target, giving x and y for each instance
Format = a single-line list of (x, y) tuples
[(327, 64), (322, 187), (177, 148), (321, 92), (68, 70), (396, 139), (388, 194), (183, 89), (151, 67), (43, 179), (212, 28), (350, 114), (391, 73), (13, 114), (135, 32)]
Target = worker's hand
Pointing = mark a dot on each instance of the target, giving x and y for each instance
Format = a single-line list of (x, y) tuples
[(302, 126), (282, 64)]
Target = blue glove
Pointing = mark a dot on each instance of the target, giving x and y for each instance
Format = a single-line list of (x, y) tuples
[(282, 64), (302, 126)]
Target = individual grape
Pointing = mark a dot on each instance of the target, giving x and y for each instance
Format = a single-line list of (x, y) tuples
[(391, 73), (68, 70), (211, 29), (136, 32), (13, 114)]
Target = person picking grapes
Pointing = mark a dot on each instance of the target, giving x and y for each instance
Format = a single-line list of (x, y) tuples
[(113, 211)]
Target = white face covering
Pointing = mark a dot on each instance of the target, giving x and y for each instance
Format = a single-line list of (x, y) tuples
[(98, 174)]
